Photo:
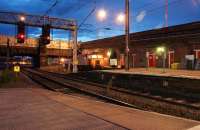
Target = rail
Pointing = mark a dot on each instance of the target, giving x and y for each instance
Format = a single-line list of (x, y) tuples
[(119, 96)]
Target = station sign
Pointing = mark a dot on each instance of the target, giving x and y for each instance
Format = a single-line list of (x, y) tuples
[(113, 62), (16, 68), (190, 57)]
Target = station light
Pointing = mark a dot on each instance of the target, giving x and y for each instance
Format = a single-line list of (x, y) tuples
[(94, 56), (120, 18), (101, 14), (62, 60), (22, 18), (109, 54), (160, 49), (99, 56)]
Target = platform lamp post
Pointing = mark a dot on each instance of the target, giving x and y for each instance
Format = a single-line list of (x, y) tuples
[(102, 16), (8, 53), (125, 19), (108, 55), (75, 48), (127, 31)]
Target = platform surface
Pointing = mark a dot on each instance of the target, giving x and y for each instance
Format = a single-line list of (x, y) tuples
[(27, 106), (192, 74)]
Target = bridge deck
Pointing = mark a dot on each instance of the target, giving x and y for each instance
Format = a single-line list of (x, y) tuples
[(27, 106)]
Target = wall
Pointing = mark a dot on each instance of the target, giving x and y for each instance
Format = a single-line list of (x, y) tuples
[(182, 39)]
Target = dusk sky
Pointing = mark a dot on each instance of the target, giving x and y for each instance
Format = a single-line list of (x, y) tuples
[(145, 15)]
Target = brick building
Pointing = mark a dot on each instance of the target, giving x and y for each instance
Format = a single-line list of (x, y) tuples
[(181, 45)]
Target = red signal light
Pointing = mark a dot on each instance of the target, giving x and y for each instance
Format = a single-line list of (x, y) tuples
[(20, 38), (21, 30)]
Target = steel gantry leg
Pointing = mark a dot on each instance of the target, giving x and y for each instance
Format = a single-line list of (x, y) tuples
[(127, 26), (75, 60)]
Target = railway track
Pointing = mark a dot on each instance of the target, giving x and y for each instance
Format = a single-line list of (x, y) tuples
[(114, 95), (82, 80), (58, 83)]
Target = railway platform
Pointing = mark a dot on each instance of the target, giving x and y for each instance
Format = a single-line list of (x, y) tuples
[(26, 105), (191, 74)]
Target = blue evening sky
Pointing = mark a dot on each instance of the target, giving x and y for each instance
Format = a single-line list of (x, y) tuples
[(145, 15)]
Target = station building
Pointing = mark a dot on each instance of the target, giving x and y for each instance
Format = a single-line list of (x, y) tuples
[(174, 47)]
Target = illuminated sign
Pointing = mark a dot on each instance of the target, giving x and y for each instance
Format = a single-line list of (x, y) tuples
[(113, 62), (95, 57), (17, 68)]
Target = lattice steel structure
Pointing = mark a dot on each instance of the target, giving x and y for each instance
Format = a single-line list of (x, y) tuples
[(37, 21)]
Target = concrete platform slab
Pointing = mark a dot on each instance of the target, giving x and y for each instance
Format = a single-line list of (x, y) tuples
[(131, 118), (191, 74), (31, 107)]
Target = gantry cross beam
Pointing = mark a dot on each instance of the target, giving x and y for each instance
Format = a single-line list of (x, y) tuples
[(37, 20)]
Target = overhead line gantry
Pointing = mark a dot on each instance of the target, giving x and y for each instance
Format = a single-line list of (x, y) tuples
[(40, 21)]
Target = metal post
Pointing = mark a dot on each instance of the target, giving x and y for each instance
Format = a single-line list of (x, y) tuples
[(8, 53), (166, 13), (164, 61), (59, 52), (38, 62), (127, 24), (75, 60), (59, 58), (147, 60)]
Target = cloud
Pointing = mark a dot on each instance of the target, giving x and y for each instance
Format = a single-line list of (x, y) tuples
[(70, 6), (26, 6), (33, 35), (196, 3), (86, 38), (140, 17)]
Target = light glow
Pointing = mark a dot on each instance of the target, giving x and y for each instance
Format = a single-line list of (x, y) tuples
[(22, 18), (160, 49), (120, 18), (62, 60), (109, 54), (95, 57), (101, 14), (99, 56), (21, 36)]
